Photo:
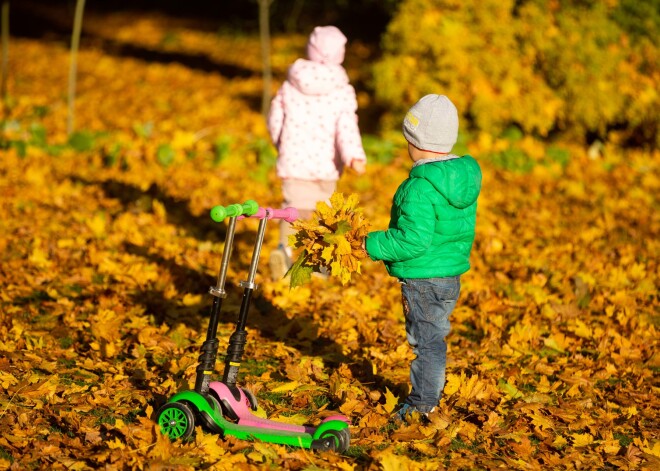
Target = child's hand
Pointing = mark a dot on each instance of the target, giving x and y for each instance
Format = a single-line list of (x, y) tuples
[(359, 166)]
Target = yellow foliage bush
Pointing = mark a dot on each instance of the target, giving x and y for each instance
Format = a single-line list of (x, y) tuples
[(543, 66)]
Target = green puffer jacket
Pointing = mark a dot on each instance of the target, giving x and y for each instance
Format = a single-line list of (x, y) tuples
[(432, 221)]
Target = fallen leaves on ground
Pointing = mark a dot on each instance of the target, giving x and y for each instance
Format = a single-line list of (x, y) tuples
[(553, 356)]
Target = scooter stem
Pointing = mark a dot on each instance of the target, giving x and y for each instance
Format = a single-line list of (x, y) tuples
[(209, 349), (237, 340), (219, 289)]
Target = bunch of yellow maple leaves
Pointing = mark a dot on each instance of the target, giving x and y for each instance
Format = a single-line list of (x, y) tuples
[(331, 241)]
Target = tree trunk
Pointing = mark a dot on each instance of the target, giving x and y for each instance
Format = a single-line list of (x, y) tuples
[(264, 34), (294, 16), (75, 41), (5, 52)]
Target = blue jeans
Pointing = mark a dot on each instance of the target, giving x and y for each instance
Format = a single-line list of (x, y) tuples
[(427, 304)]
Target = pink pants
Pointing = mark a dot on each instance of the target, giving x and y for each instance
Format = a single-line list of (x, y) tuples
[(303, 195)]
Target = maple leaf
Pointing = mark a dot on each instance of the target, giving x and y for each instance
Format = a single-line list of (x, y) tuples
[(425, 448), (285, 387), (333, 240), (453, 383), (391, 401), (389, 461), (543, 422), (509, 389), (7, 379), (582, 439), (209, 444), (300, 272)]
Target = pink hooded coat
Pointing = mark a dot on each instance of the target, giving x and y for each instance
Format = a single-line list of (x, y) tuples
[(312, 119)]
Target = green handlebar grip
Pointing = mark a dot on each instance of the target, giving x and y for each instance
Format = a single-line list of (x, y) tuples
[(220, 213), (250, 207)]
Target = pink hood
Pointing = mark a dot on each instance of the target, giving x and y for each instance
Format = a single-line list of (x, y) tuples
[(315, 78)]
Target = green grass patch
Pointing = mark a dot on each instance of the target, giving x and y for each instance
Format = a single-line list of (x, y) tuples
[(257, 367), (103, 416), (5, 455), (469, 331), (320, 400), (458, 444), (359, 453), (67, 380), (66, 363), (66, 342), (624, 440), (37, 296), (273, 398)]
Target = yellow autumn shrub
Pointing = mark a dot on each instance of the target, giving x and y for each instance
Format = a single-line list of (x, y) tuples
[(541, 65)]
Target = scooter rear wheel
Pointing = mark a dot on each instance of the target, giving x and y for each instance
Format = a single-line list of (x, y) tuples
[(252, 399), (346, 439), (176, 420), (338, 439)]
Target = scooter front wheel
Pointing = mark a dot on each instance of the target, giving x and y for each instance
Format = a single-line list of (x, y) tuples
[(176, 420), (210, 421)]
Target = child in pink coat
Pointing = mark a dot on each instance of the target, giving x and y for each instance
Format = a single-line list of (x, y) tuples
[(313, 124)]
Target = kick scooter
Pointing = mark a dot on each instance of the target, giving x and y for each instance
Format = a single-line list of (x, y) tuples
[(220, 406)]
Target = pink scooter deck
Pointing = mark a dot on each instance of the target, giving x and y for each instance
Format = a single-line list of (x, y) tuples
[(246, 417)]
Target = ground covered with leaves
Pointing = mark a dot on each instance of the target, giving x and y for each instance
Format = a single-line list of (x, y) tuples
[(107, 251)]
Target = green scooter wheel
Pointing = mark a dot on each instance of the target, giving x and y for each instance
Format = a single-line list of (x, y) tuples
[(176, 420)]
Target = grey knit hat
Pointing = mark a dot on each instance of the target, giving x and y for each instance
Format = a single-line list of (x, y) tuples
[(432, 124)]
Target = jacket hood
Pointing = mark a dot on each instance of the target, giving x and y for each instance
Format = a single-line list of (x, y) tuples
[(458, 180), (315, 78)]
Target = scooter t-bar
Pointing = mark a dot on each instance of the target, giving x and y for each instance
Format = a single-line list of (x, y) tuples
[(209, 349)]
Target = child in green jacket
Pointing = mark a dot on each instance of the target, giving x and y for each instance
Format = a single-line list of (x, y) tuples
[(427, 245)]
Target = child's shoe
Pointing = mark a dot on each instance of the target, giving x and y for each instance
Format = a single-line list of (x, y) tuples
[(322, 274), (279, 262), (411, 414)]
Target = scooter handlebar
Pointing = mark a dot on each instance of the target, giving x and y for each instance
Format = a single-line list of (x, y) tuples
[(289, 214), (220, 213)]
